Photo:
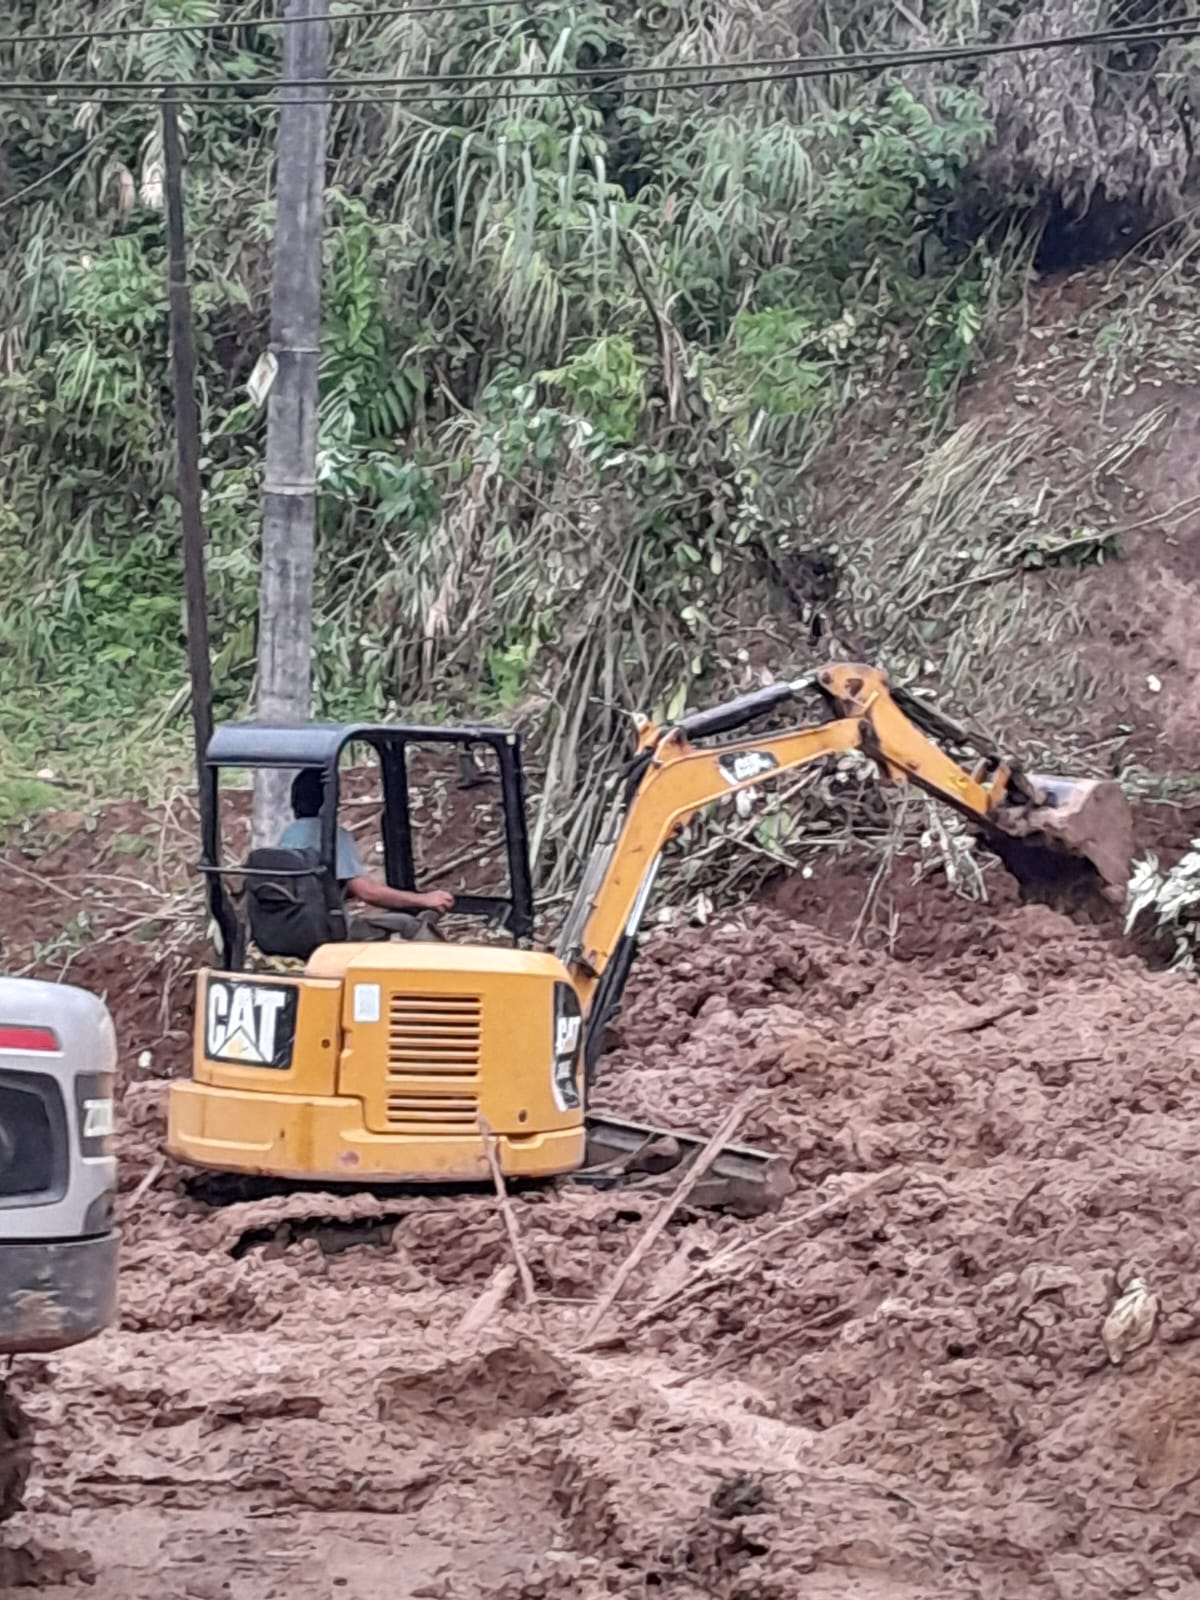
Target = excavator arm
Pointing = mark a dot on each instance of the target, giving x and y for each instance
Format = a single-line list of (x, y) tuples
[(672, 777)]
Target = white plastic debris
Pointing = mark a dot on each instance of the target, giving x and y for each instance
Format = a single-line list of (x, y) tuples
[(1153, 683), (702, 909), (145, 1061), (1131, 1322), (261, 380)]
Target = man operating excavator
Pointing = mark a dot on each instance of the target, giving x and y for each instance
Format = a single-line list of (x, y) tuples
[(373, 1062), (401, 908)]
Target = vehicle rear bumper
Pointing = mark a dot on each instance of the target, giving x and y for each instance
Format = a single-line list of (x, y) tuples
[(54, 1294), (323, 1138)]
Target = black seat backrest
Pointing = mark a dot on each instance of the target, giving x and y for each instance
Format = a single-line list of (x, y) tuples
[(289, 916)]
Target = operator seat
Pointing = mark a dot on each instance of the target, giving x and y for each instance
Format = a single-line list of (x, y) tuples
[(290, 916)]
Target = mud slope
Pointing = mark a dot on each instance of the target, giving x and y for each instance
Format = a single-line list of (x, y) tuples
[(895, 1388)]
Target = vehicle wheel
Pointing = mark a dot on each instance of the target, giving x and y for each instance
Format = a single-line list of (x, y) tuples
[(15, 1454)]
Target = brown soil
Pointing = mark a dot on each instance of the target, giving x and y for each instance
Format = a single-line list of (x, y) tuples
[(1137, 616), (897, 1388)]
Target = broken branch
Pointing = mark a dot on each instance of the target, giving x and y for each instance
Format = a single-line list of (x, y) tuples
[(659, 1222)]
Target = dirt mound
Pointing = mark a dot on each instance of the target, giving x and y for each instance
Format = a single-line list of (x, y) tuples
[(896, 1386)]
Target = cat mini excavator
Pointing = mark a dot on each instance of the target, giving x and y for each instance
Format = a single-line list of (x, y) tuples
[(399, 1061)]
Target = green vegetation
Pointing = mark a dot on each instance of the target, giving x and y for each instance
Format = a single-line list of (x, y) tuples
[(1165, 904), (582, 357), (22, 799)]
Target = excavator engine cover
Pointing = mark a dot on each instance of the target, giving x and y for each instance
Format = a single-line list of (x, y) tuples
[(387, 1062)]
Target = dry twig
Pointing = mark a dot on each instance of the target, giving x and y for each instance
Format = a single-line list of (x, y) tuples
[(506, 1211), (672, 1204), (992, 1014), (149, 1179), (716, 1267)]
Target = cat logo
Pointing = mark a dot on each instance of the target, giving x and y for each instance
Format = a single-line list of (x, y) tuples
[(747, 764), (251, 1024), (568, 1034)]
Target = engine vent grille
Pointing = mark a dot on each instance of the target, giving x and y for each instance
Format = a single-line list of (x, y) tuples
[(433, 1062)]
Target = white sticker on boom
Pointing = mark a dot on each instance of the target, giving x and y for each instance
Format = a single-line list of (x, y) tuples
[(367, 1002), (742, 765)]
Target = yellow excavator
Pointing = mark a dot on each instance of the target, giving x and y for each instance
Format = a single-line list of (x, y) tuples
[(410, 1061)]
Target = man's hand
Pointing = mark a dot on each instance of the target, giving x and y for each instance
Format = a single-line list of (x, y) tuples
[(438, 900), (386, 898)]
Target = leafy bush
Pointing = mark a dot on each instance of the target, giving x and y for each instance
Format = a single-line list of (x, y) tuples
[(1168, 904), (579, 350)]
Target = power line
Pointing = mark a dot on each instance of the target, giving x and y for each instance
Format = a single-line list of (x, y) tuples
[(784, 70), (431, 96), (783, 67), (428, 97), (439, 7), (223, 24)]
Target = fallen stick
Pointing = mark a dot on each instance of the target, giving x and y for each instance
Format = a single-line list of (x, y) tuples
[(506, 1211), (719, 1266), (42, 882), (481, 1312), (149, 1179), (734, 1358), (672, 1204), (985, 1019)]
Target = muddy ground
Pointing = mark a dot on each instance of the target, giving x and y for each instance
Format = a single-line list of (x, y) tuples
[(896, 1387)]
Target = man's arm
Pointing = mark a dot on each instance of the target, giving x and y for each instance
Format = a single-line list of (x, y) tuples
[(385, 898)]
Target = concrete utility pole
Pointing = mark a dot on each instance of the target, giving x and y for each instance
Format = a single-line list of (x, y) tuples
[(290, 501)]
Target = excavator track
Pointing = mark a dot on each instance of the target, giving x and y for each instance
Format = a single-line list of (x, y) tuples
[(620, 1154)]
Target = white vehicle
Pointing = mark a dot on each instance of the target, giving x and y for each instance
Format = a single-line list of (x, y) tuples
[(58, 1243)]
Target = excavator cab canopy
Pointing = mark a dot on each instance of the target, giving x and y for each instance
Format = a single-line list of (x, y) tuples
[(257, 745)]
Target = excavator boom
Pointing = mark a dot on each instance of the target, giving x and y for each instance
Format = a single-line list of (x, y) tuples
[(1044, 830)]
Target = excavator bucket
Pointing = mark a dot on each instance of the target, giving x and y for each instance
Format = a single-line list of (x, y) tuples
[(1074, 838)]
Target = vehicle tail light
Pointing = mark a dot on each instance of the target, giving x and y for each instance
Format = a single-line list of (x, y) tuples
[(16, 1037)]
